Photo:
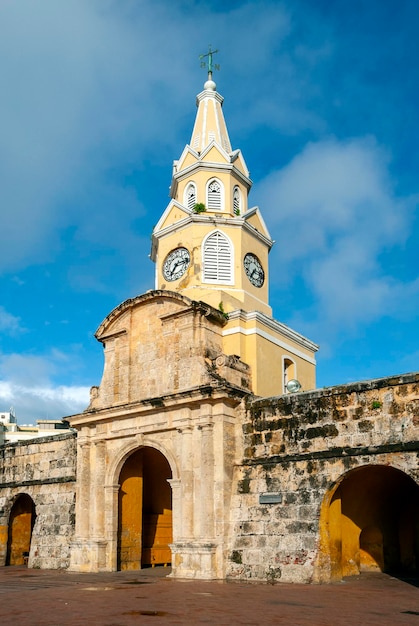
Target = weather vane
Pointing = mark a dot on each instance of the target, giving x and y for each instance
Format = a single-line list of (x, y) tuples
[(208, 62)]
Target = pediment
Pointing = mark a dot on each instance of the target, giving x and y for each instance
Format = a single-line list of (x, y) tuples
[(239, 163), (187, 158), (115, 325), (214, 153), (172, 214), (118, 320), (255, 219)]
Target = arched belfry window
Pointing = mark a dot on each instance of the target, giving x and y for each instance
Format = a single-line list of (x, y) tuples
[(289, 371), (190, 196), (217, 259), (236, 201), (214, 195)]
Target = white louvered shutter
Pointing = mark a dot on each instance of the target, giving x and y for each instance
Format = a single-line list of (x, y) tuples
[(236, 200), (191, 196), (214, 195), (217, 259)]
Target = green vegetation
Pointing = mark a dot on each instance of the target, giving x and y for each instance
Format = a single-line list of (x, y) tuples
[(221, 308)]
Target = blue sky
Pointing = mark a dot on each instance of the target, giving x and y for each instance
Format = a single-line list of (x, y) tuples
[(98, 98)]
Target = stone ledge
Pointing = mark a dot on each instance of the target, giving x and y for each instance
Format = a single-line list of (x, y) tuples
[(47, 439), (340, 452), (38, 481), (365, 385)]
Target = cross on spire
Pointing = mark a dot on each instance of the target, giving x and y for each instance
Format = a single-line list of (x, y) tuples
[(208, 63)]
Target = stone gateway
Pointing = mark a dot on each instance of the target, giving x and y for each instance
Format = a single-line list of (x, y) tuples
[(196, 449)]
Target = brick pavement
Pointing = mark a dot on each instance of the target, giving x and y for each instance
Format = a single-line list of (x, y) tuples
[(61, 598)]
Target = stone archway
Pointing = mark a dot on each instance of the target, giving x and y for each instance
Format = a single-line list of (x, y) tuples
[(21, 523), (144, 510), (370, 522)]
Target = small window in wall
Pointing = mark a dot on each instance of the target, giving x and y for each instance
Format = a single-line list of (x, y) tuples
[(290, 372), (236, 201), (190, 196), (217, 259), (214, 192)]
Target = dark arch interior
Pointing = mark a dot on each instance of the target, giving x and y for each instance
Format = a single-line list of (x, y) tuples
[(374, 523), (21, 523)]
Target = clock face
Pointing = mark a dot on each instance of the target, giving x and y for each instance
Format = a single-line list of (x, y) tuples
[(254, 270), (176, 263)]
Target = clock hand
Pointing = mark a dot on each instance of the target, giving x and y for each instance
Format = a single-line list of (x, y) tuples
[(175, 263), (178, 263)]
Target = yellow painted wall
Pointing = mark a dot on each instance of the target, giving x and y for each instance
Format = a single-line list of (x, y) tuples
[(201, 177), (241, 293), (371, 549), (372, 523), (266, 357), (335, 536)]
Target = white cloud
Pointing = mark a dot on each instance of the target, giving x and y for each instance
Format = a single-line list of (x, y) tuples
[(42, 402), (335, 212), (27, 369), (27, 382), (9, 323)]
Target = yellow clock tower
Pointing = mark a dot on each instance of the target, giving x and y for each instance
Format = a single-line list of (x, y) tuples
[(210, 246)]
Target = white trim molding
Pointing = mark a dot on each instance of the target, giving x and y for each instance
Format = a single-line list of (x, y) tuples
[(277, 327)]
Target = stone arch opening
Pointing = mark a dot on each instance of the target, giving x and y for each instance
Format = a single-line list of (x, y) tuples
[(370, 522), (21, 522), (144, 511)]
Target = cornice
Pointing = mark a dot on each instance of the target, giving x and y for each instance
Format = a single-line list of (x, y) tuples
[(213, 394), (205, 309), (209, 93), (273, 325), (212, 166), (216, 220)]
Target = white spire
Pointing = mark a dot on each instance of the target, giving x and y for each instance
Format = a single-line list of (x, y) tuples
[(209, 123)]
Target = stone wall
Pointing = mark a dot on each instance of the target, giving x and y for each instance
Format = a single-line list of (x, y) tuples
[(296, 450), (45, 470), (291, 455), (161, 343)]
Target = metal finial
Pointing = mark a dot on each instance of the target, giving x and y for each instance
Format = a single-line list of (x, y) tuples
[(208, 63)]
